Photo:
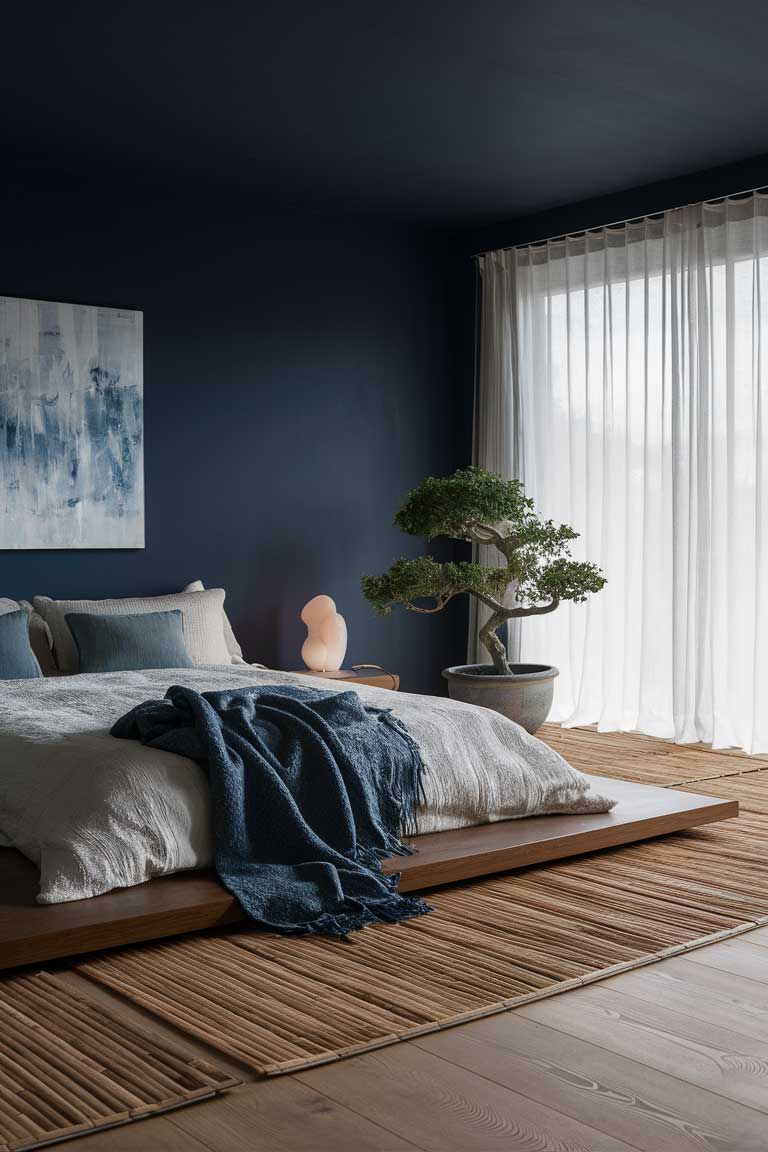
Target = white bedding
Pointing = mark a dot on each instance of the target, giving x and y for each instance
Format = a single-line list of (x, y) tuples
[(96, 813)]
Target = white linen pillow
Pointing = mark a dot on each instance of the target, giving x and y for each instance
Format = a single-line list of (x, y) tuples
[(230, 639), (203, 617), (40, 639)]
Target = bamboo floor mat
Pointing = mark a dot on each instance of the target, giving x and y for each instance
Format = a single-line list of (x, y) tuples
[(750, 790), (279, 1003), (67, 1067), (644, 759)]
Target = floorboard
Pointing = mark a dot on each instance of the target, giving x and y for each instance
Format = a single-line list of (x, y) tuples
[(707, 994), (282, 1116), (440, 1106), (615, 1094), (747, 959), (158, 1135), (759, 937), (724, 1062)]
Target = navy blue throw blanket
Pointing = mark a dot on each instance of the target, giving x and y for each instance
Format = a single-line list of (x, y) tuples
[(309, 790)]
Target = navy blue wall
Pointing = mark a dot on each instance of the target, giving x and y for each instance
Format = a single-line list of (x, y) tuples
[(297, 384)]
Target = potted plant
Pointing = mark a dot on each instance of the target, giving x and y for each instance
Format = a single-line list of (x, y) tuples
[(538, 573)]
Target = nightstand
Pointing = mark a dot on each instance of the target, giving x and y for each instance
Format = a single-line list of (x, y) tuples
[(361, 674)]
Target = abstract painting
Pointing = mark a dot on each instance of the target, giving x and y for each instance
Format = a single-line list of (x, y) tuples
[(71, 426)]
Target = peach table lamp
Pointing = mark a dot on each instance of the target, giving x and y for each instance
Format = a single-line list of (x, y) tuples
[(326, 643)]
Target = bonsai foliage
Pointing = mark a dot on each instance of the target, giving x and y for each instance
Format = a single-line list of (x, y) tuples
[(478, 506)]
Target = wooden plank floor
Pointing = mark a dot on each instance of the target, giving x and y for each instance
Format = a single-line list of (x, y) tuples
[(673, 1057)]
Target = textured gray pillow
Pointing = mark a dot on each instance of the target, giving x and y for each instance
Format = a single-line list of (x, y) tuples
[(40, 638), (129, 643), (203, 614), (233, 647)]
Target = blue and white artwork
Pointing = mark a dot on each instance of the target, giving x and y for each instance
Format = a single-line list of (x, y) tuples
[(71, 426)]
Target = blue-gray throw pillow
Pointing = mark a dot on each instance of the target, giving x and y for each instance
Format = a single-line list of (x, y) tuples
[(17, 660), (128, 643)]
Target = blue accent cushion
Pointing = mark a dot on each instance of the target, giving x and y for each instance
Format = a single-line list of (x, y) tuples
[(17, 660), (127, 643)]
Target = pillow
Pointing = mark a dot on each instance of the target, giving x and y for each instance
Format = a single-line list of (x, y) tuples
[(40, 638), (129, 643), (203, 622), (230, 639), (17, 660)]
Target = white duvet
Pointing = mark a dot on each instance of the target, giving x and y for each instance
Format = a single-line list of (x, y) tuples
[(96, 813)]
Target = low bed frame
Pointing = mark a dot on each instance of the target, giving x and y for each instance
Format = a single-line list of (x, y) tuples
[(32, 933)]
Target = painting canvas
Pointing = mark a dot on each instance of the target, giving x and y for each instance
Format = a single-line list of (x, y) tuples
[(71, 426)]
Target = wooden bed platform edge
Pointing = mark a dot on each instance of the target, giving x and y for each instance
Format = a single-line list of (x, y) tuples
[(32, 933)]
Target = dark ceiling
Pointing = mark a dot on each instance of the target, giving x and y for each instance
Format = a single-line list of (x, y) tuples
[(457, 112)]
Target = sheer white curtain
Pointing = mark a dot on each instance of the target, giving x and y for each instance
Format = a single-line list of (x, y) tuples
[(497, 418), (635, 366)]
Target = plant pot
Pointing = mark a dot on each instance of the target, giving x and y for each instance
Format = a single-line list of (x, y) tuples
[(525, 696)]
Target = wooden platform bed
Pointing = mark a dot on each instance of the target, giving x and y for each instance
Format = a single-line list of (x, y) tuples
[(32, 933)]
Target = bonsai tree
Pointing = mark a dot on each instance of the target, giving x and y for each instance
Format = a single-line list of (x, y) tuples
[(478, 506)]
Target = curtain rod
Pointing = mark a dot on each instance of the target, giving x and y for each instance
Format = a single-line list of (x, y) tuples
[(617, 223)]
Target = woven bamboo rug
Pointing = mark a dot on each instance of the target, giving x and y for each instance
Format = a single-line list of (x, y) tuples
[(68, 1067), (279, 1004)]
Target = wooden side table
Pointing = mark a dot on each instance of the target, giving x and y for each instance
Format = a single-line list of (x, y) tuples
[(361, 674)]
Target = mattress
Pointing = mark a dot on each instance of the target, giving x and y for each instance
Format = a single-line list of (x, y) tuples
[(96, 813)]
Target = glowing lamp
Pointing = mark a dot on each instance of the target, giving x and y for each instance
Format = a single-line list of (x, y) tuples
[(326, 643)]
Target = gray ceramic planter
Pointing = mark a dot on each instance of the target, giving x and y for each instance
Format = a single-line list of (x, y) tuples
[(525, 696)]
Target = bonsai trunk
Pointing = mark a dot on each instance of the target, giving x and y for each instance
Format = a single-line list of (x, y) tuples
[(493, 643)]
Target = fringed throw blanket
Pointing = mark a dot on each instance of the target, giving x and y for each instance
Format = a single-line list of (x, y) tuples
[(309, 791)]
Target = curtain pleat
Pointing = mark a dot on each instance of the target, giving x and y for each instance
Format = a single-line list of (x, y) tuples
[(497, 413), (623, 378)]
